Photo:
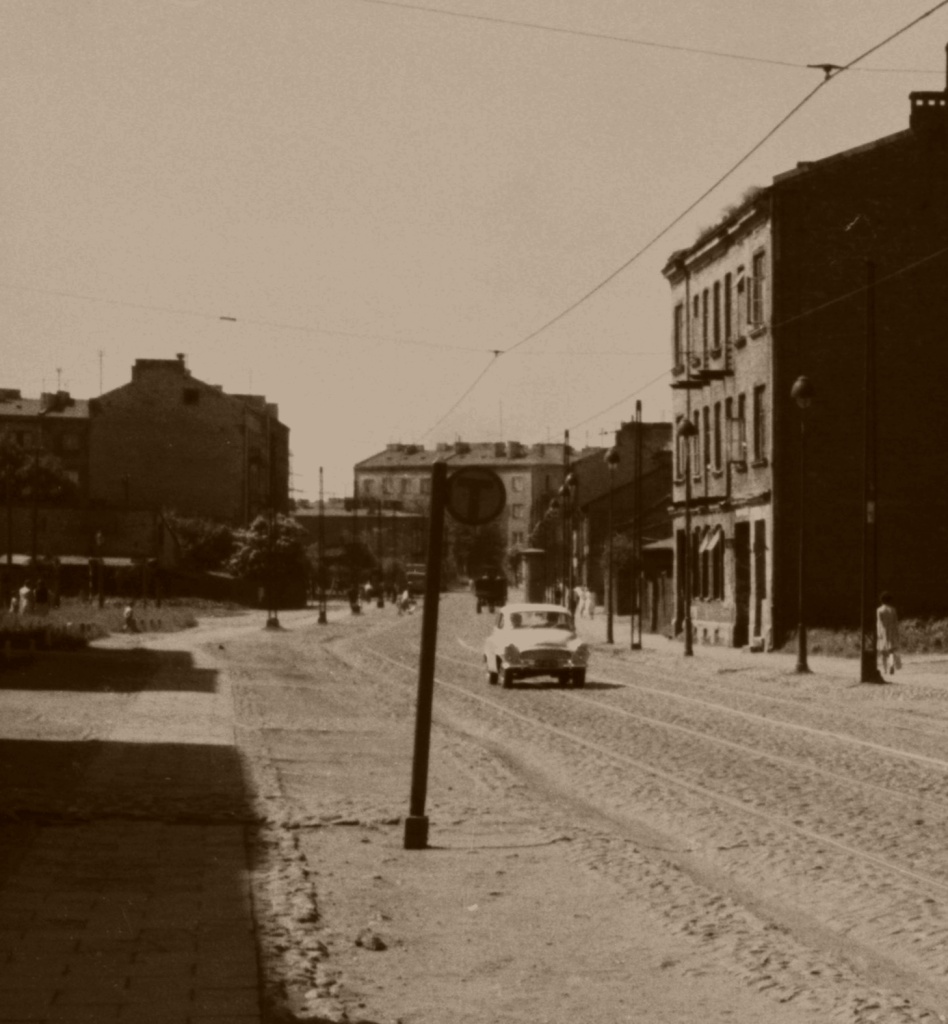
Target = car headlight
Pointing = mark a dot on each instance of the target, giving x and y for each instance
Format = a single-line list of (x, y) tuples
[(511, 655), (581, 654)]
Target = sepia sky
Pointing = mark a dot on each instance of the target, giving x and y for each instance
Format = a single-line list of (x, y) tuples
[(383, 196)]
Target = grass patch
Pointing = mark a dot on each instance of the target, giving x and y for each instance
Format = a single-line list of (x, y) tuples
[(917, 636), (74, 623)]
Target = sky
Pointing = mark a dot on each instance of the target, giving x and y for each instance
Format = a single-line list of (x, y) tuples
[(422, 222)]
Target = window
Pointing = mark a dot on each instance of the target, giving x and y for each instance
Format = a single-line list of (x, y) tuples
[(680, 453), (426, 485), (517, 537), (696, 446), (727, 308), (740, 305), (516, 511), (678, 334), (405, 484), (707, 438), (716, 332), (704, 323), (517, 483), (741, 454), (760, 425), (368, 486), (717, 435), (387, 483), (755, 294), (71, 441)]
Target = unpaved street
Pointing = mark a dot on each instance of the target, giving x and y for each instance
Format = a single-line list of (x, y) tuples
[(710, 839), (677, 835)]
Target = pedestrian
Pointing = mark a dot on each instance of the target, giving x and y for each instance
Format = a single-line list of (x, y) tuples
[(558, 593), (577, 600), (887, 634), (42, 598), (26, 598), (590, 603), (129, 623)]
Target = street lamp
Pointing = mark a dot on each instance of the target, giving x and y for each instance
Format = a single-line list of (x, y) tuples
[(612, 460), (569, 489), (321, 577), (688, 431), (802, 394), (380, 601)]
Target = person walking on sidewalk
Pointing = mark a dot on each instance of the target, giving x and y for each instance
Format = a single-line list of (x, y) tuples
[(887, 634)]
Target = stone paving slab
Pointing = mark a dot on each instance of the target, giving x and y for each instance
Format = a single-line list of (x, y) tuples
[(95, 926)]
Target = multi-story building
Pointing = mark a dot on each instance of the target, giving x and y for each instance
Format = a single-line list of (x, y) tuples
[(531, 475), (168, 440), (55, 424), (836, 259), (622, 497)]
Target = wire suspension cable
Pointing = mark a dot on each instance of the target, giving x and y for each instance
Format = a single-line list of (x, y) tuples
[(629, 40)]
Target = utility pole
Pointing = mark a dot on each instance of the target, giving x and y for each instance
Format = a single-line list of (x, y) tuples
[(868, 662), (637, 536)]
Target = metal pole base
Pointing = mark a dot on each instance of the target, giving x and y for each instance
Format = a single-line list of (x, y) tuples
[(869, 670), (636, 647), (416, 832), (380, 603), (322, 618), (273, 622)]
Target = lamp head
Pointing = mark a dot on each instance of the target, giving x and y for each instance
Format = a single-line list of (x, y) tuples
[(802, 392), (687, 429), (612, 458)]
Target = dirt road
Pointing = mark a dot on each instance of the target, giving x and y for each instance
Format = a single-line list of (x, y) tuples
[(675, 842)]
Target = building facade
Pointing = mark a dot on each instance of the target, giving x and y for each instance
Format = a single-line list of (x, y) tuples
[(836, 271), (168, 440), (531, 475)]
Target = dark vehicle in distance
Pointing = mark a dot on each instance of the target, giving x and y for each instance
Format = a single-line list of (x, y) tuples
[(490, 591)]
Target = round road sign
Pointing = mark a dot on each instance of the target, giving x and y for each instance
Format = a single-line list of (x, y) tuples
[(475, 495)]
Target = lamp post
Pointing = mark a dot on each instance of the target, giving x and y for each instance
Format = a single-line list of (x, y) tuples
[(567, 493), (802, 394), (380, 601), (612, 460), (688, 431), (321, 571)]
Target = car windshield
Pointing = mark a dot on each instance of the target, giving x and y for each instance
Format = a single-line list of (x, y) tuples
[(540, 620)]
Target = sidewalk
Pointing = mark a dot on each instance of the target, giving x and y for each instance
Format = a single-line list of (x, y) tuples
[(124, 874), (930, 668)]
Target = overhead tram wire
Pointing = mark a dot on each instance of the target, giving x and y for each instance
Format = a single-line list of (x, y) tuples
[(381, 339), (834, 72), (802, 315), (628, 40)]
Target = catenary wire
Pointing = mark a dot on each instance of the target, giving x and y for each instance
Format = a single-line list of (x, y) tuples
[(830, 75), (381, 339), (802, 315), (630, 40)]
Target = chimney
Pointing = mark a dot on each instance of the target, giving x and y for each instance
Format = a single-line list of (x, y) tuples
[(929, 113)]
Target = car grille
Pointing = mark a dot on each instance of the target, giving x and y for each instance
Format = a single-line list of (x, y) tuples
[(547, 657)]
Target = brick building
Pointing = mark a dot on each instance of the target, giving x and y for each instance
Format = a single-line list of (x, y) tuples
[(168, 440), (778, 289), (531, 475)]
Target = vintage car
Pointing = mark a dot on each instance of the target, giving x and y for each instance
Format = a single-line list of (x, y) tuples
[(530, 640), (490, 591)]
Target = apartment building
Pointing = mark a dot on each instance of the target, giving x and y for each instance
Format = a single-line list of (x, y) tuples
[(531, 475), (835, 271)]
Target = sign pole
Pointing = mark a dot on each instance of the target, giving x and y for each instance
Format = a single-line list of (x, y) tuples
[(416, 824)]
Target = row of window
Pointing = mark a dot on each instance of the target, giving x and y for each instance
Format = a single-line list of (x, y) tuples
[(418, 485), (721, 433), (728, 309)]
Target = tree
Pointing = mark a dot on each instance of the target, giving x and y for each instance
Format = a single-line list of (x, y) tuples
[(205, 545), (26, 474), (260, 551)]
